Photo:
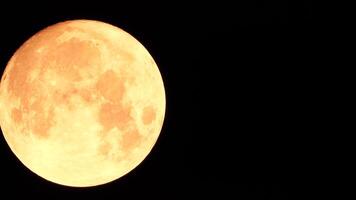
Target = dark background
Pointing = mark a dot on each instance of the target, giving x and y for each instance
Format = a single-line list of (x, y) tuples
[(237, 79)]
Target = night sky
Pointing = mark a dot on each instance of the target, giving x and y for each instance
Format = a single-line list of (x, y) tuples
[(235, 75)]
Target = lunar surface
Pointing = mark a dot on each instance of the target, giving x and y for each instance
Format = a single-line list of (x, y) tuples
[(81, 103)]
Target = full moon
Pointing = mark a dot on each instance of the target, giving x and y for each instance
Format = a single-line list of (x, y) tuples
[(82, 103)]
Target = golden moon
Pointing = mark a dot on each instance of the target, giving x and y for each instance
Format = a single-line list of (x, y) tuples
[(82, 103)]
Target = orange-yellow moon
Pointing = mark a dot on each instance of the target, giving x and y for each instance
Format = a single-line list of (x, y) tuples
[(81, 103)]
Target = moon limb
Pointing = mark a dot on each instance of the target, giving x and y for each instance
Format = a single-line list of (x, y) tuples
[(115, 141)]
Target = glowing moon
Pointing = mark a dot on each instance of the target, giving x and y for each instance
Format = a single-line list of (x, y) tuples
[(81, 103)]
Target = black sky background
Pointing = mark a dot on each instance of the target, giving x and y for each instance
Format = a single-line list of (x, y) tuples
[(237, 79)]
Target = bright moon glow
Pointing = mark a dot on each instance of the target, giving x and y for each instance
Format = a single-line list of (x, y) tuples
[(81, 103)]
